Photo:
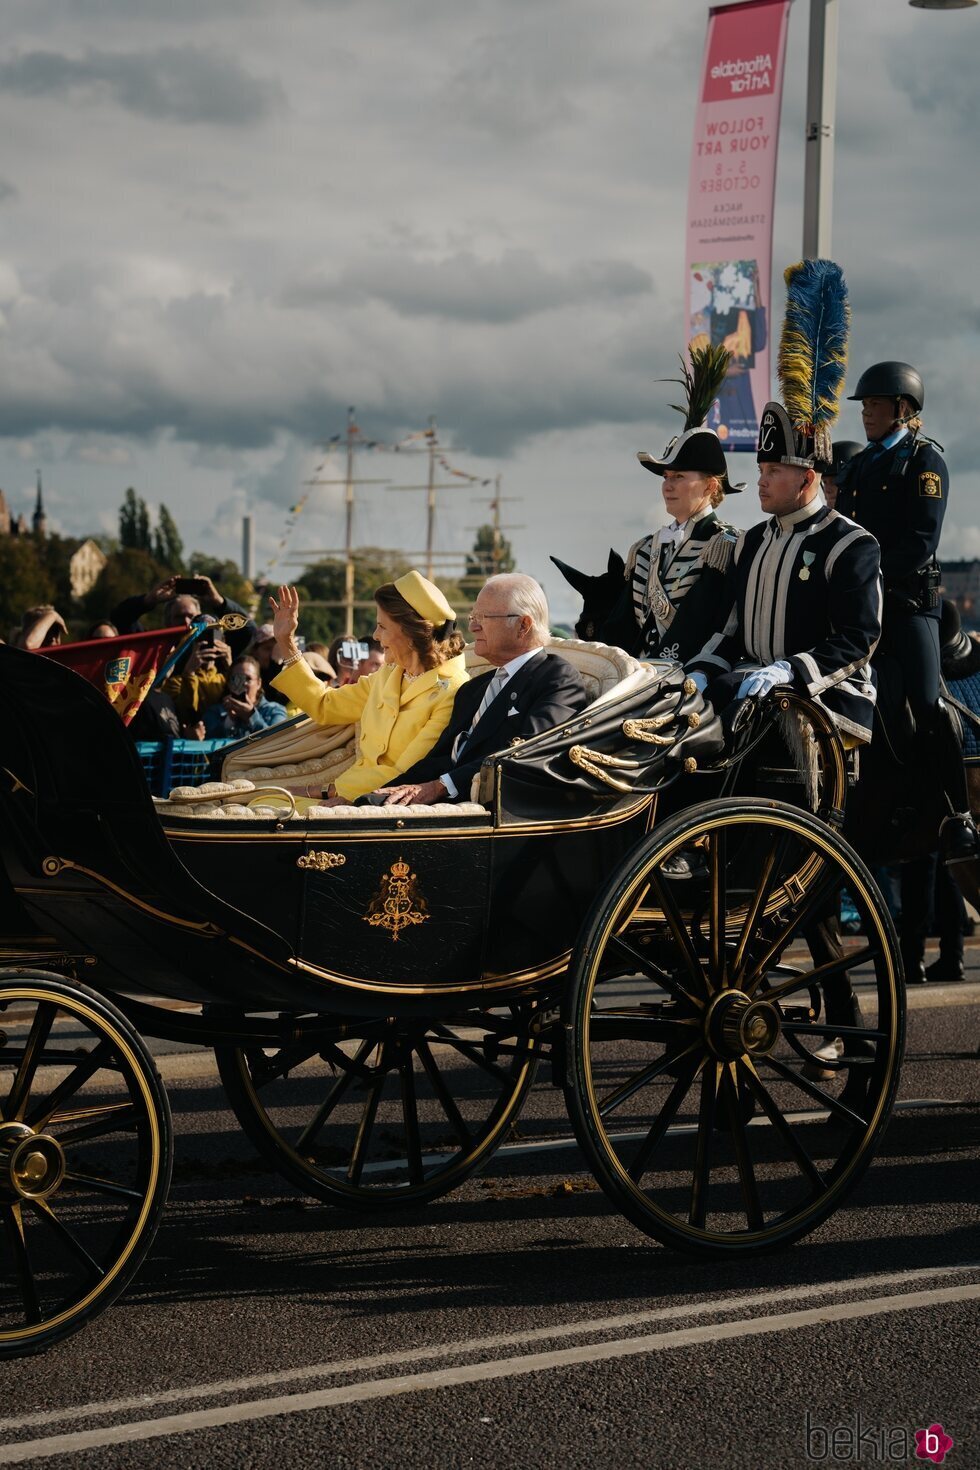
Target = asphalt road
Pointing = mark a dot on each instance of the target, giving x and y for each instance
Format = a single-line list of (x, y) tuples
[(521, 1321)]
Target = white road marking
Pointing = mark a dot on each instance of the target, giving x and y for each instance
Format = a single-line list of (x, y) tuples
[(468, 1346), (382, 1388)]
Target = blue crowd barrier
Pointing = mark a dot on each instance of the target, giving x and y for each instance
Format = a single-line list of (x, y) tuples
[(170, 763)]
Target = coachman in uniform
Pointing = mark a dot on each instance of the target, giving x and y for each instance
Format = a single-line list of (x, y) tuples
[(806, 581), (897, 489)]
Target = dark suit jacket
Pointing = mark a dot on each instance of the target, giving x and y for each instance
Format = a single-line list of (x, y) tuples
[(544, 692)]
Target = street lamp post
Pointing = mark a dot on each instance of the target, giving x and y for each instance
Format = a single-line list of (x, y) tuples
[(821, 100)]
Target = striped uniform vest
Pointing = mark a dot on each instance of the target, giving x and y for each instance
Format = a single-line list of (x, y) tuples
[(660, 576)]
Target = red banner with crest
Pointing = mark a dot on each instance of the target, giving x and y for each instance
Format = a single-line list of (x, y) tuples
[(123, 668)]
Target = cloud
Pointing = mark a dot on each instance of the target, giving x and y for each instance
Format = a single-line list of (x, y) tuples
[(7, 191), (466, 288), (180, 84)]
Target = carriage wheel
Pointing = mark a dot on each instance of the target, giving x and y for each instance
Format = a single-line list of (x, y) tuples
[(399, 1112), (702, 988), (85, 1157)]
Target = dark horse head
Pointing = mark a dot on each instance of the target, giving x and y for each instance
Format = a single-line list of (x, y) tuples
[(599, 595)]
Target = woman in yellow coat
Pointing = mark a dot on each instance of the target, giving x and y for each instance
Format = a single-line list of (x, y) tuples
[(403, 707)]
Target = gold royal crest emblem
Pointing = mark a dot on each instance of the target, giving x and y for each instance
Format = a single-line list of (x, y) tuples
[(398, 904), (930, 484)]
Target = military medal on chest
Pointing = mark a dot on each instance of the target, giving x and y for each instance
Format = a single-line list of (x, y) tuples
[(809, 557)]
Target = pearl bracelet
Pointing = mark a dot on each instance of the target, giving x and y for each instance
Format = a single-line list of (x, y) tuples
[(293, 659)]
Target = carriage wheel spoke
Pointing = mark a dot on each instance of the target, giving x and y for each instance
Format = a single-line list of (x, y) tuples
[(337, 1089), (773, 863), (101, 1186), (710, 1078), (653, 972), (445, 1097), (678, 928), (114, 1118), (805, 978), (13, 1221), (811, 903), (772, 1111), (639, 1080), (100, 1056), (471, 1051), (719, 905), (664, 1118), (13, 1110), (44, 1212), (743, 1157), (366, 1126), (817, 1093), (410, 1114)]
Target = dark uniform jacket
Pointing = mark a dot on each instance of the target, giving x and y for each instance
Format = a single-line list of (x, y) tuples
[(806, 589), (899, 495), (670, 603), (545, 691)]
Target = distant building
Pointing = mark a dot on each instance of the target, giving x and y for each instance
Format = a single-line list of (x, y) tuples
[(961, 584), (85, 567), (39, 519), (9, 526)]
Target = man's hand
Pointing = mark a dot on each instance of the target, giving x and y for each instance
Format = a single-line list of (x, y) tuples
[(222, 653), (163, 593), (207, 592), (425, 794), (194, 730), (761, 682)]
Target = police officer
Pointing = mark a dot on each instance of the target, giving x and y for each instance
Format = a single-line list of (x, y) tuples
[(897, 488)]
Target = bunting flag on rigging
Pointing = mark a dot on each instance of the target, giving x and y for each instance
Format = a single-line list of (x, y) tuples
[(730, 205), (123, 668)]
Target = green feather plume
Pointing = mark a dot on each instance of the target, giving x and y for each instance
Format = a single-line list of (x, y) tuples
[(701, 382), (812, 361)]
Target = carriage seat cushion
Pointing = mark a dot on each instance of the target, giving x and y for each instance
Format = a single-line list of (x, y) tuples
[(231, 801)]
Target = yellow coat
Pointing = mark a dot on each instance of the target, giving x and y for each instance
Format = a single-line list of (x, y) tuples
[(400, 719)]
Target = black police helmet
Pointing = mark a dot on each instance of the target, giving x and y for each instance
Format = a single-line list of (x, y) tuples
[(844, 449), (891, 380)]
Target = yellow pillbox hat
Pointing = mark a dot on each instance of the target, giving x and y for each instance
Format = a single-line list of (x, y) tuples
[(424, 596)]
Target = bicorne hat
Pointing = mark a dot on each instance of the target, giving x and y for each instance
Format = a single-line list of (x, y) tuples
[(811, 367), (697, 447)]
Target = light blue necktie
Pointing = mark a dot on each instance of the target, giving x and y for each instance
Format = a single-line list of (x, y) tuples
[(489, 695)]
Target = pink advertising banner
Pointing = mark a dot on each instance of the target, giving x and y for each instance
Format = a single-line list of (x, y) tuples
[(730, 205)]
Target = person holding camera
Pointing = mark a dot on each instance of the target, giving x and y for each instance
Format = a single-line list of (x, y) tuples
[(183, 599), (201, 678), (244, 709), (402, 708)]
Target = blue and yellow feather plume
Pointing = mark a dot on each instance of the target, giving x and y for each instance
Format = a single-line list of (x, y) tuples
[(812, 360)]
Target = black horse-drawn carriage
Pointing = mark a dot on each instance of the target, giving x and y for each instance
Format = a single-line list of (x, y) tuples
[(380, 984)]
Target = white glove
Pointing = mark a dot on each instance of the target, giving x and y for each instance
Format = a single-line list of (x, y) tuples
[(700, 679), (760, 681)]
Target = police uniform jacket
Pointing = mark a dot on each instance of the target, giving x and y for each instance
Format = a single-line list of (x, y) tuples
[(399, 719), (806, 589), (675, 581), (899, 494)]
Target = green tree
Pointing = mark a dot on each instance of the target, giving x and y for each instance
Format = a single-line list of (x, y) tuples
[(168, 548), (25, 580), (323, 583), (128, 571), (491, 553), (134, 523)]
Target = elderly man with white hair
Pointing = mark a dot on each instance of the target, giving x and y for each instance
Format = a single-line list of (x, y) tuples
[(526, 691)]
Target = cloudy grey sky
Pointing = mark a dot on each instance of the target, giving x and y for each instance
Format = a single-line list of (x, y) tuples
[(221, 223)]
